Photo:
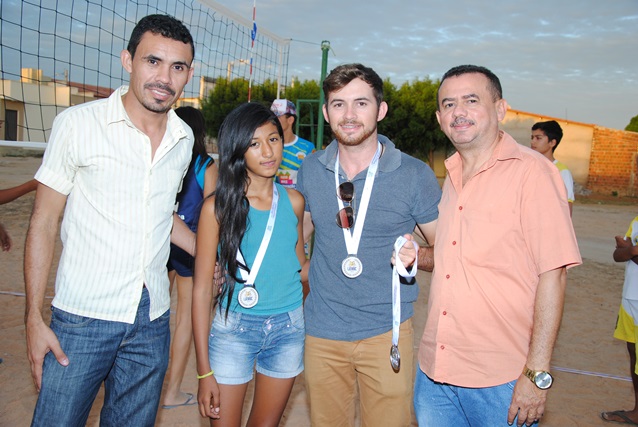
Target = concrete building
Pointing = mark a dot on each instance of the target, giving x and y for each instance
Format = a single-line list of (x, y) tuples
[(28, 106)]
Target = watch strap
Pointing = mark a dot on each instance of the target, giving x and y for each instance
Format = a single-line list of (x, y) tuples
[(532, 375), (529, 374)]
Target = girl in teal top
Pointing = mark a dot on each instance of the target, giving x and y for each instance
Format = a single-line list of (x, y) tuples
[(251, 227)]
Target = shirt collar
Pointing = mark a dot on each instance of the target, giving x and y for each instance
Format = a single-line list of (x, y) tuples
[(116, 112), (506, 149), (389, 161)]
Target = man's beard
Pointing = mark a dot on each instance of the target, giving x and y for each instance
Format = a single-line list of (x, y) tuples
[(155, 105), (156, 108), (352, 139)]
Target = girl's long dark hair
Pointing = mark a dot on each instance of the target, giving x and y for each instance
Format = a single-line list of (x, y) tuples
[(195, 119), (231, 203)]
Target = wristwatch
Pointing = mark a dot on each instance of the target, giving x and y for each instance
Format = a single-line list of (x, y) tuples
[(541, 379)]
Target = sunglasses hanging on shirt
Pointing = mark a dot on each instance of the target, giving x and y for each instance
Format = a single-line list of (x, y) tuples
[(345, 216)]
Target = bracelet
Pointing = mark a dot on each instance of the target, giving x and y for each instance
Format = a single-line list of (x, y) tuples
[(199, 377)]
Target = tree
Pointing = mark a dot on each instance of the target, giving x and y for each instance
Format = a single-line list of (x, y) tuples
[(227, 95), (411, 121), (633, 124), (307, 112)]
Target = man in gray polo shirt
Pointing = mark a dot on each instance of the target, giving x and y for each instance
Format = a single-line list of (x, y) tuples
[(377, 195)]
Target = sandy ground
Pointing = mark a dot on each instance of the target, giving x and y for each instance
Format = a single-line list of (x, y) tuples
[(590, 367)]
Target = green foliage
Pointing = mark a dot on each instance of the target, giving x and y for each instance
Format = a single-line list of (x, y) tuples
[(411, 120), (306, 111), (308, 89), (228, 95), (633, 124), (410, 123)]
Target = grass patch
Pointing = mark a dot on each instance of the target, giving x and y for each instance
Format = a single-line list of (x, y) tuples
[(20, 152)]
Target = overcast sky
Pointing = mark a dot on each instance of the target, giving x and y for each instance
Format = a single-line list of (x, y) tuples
[(575, 60)]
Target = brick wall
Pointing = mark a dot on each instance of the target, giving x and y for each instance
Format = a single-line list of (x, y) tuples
[(613, 164)]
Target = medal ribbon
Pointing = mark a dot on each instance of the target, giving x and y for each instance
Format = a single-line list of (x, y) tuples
[(352, 239), (250, 278), (399, 270)]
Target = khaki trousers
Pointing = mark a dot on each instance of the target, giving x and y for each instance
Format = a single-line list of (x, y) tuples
[(335, 369)]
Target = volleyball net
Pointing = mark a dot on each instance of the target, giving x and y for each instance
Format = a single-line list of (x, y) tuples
[(55, 54)]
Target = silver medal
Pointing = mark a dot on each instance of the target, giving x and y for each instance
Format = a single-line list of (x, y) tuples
[(351, 267), (248, 297), (395, 357)]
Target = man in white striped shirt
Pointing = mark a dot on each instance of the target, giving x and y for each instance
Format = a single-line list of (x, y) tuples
[(117, 165)]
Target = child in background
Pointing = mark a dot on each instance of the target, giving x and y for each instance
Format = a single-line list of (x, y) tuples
[(627, 323), (545, 138), (199, 182)]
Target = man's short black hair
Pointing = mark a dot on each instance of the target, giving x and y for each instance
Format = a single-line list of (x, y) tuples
[(552, 130), (495, 83), (164, 25)]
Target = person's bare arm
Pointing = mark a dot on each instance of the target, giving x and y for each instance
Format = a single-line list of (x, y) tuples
[(625, 250), (210, 179), (298, 203), (528, 401), (38, 257), (425, 253), (308, 227), (5, 239), (10, 194), (202, 305), (182, 236)]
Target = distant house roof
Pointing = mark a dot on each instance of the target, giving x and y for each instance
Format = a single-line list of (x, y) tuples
[(543, 117), (98, 91)]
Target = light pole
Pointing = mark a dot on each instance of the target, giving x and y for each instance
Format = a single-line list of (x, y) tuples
[(325, 48), (231, 64)]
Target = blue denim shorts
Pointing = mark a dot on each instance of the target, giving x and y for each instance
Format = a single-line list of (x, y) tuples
[(273, 345)]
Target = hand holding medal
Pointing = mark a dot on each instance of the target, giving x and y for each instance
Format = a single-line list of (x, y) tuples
[(399, 270)]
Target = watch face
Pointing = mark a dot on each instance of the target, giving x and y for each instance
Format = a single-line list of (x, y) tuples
[(543, 380)]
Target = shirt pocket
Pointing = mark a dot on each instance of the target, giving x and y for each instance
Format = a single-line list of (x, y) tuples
[(491, 239)]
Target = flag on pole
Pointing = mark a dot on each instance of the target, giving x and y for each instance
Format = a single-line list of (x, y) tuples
[(253, 35)]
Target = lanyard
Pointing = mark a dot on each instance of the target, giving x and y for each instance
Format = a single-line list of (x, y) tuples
[(250, 278), (399, 269), (353, 239)]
